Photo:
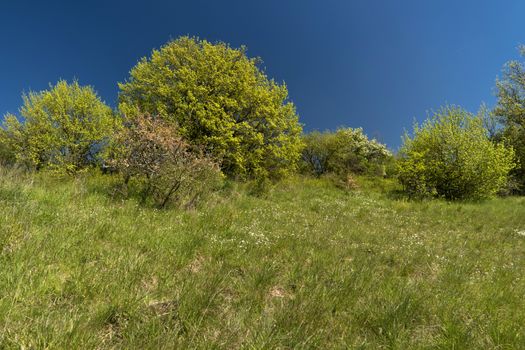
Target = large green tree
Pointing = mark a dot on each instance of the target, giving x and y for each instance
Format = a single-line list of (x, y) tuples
[(511, 110), (221, 100), (64, 128)]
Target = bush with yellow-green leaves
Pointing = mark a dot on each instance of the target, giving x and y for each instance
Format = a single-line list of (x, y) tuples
[(451, 156), (63, 128)]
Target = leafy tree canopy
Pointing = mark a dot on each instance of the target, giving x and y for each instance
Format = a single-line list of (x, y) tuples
[(511, 110), (221, 100), (63, 127), (345, 151)]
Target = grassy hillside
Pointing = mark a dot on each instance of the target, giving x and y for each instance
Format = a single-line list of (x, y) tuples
[(306, 266)]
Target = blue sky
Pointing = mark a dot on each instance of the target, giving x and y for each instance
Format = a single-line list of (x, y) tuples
[(372, 64)]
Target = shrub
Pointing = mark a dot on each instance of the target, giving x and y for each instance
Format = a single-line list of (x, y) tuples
[(346, 151), (259, 187), (63, 128), (511, 111), (222, 101), (7, 154), (317, 152), (167, 169), (451, 156)]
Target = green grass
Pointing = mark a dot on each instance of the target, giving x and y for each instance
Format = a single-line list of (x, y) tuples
[(306, 266)]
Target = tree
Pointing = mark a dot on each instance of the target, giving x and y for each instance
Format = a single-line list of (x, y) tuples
[(7, 154), (342, 152), (317, 152), (511, 110), (451, 156), (222, 101), (63, 128), (167, 168)]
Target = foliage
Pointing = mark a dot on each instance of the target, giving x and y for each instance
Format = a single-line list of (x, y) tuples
[(451, 156), (511, 110), (222, 102), (63, 128), (317, 151), (342, 152), (150, 151), (7, 154)]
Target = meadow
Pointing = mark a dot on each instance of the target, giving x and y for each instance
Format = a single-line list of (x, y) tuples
[(304, 265)]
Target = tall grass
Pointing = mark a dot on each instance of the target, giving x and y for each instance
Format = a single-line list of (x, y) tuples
[(305, 266)]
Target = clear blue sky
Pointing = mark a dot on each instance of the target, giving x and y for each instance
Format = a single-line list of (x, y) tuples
[(375, 64)]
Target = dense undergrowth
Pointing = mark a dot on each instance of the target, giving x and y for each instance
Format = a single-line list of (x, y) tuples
[(305, 265)]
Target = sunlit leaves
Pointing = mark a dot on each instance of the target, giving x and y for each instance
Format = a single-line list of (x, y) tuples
[(511, 110), (220, 100), (63, 128), (451, 156)]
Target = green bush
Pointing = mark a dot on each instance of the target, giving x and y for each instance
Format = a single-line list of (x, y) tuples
[(7, 154), (346, 151), (317, 152), (511, 112), (451, 156), (221, 101), (63, 128)]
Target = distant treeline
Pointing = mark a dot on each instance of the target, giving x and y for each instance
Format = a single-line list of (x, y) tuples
[(195, 113)]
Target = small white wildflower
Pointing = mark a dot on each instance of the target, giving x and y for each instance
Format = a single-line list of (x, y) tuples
[(521, 233)]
